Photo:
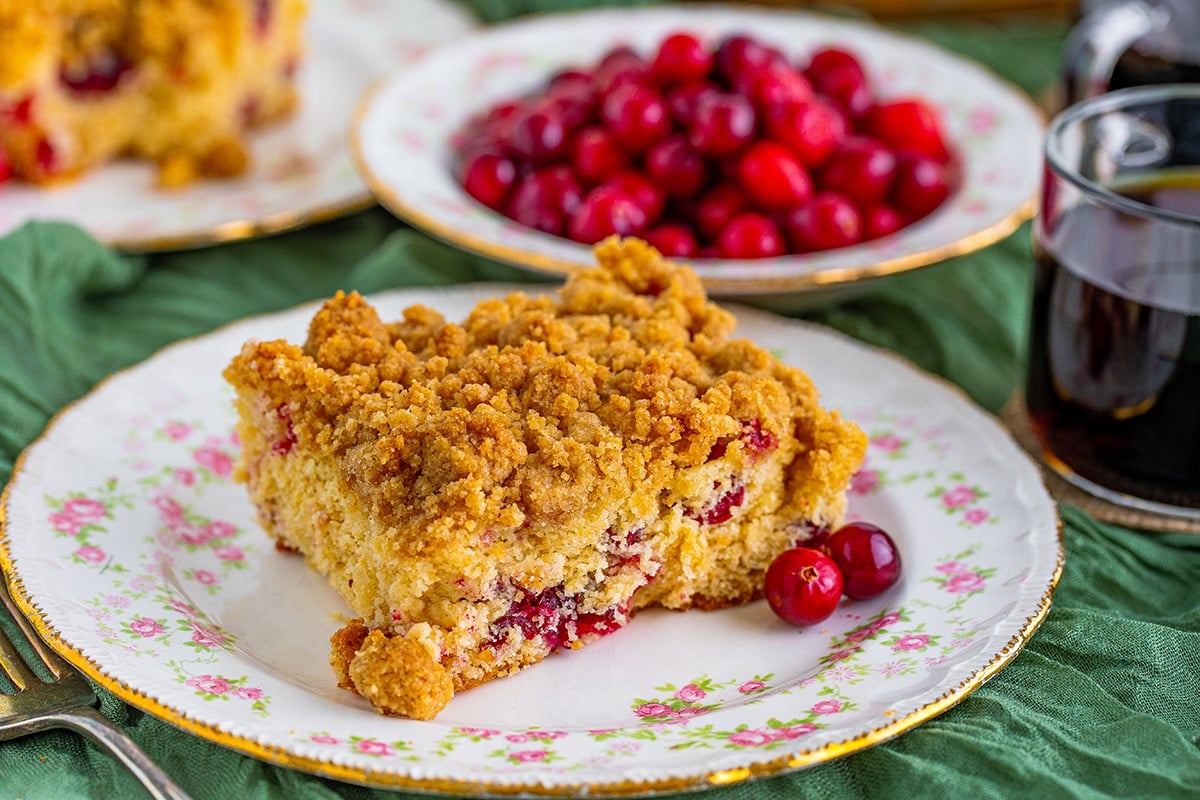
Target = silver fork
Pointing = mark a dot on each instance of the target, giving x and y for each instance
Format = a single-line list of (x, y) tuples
[(66, 702)]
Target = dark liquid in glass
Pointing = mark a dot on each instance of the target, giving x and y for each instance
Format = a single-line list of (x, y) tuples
[(1114, 380), (1139, 68)]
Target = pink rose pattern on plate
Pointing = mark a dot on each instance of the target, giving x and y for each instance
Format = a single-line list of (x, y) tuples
[(154, 607), (143, 613)]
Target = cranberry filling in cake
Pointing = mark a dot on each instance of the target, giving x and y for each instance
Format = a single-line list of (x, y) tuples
[(487, 492), (179, 82)]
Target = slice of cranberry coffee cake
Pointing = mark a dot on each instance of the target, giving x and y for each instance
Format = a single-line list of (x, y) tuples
[(178, 82), (485, 493)]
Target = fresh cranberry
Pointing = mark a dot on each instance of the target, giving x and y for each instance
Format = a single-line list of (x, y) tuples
[(491, 132), (921, 185), (606, 210), (571, 110), (533, 204), (773, 86), (596, 154), (636, 116), (673, 240), (681, 57), (571, 83), (544, 199), (727, 167), (620, 55), (676, 167), (740, 52), (867, 558), (909, 125), (619, 65), (803, 586), (829, 221), (650, 198), (505, 113), (881, 221), (862, 169), (830, 59), (100, 73), (722, 125), (489, 178), (717, 206), (539, 136), (848, 89), (480, 136), (566, 183), (812, 130), (773, 178), (683, 99), (750, 235)]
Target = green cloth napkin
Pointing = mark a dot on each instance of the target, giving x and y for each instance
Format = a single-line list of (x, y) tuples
[(1104, 702)]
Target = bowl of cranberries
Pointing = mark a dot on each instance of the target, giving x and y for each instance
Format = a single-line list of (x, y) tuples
[(784, 155)]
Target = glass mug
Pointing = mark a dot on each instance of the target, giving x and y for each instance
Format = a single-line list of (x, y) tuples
[(1117, 44), (1113, 384)]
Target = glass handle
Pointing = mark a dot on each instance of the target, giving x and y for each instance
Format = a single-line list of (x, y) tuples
[(1100, 39)]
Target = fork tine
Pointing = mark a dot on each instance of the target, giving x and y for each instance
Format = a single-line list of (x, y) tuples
[(14, 665), (79, 715), (49, 658)]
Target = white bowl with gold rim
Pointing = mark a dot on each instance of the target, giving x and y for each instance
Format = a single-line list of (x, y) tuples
[(402, 133)]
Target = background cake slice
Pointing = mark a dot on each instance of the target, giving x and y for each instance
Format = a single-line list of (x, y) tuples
[(179, 82), (483, 493)]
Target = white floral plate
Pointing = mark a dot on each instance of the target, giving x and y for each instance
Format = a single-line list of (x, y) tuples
[(301, 171), (401, 138), (138, 558)]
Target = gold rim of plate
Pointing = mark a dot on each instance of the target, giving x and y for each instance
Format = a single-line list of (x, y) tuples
[(242, 229), (791, 762)]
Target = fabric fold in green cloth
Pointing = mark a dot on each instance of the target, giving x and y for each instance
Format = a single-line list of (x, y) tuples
[(1104, 702)]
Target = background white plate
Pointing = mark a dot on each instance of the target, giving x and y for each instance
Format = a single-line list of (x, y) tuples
[(301, 170), (138, 558), (401, 139)]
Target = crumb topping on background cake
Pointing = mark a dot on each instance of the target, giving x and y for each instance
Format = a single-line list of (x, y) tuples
[(179, 82)]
